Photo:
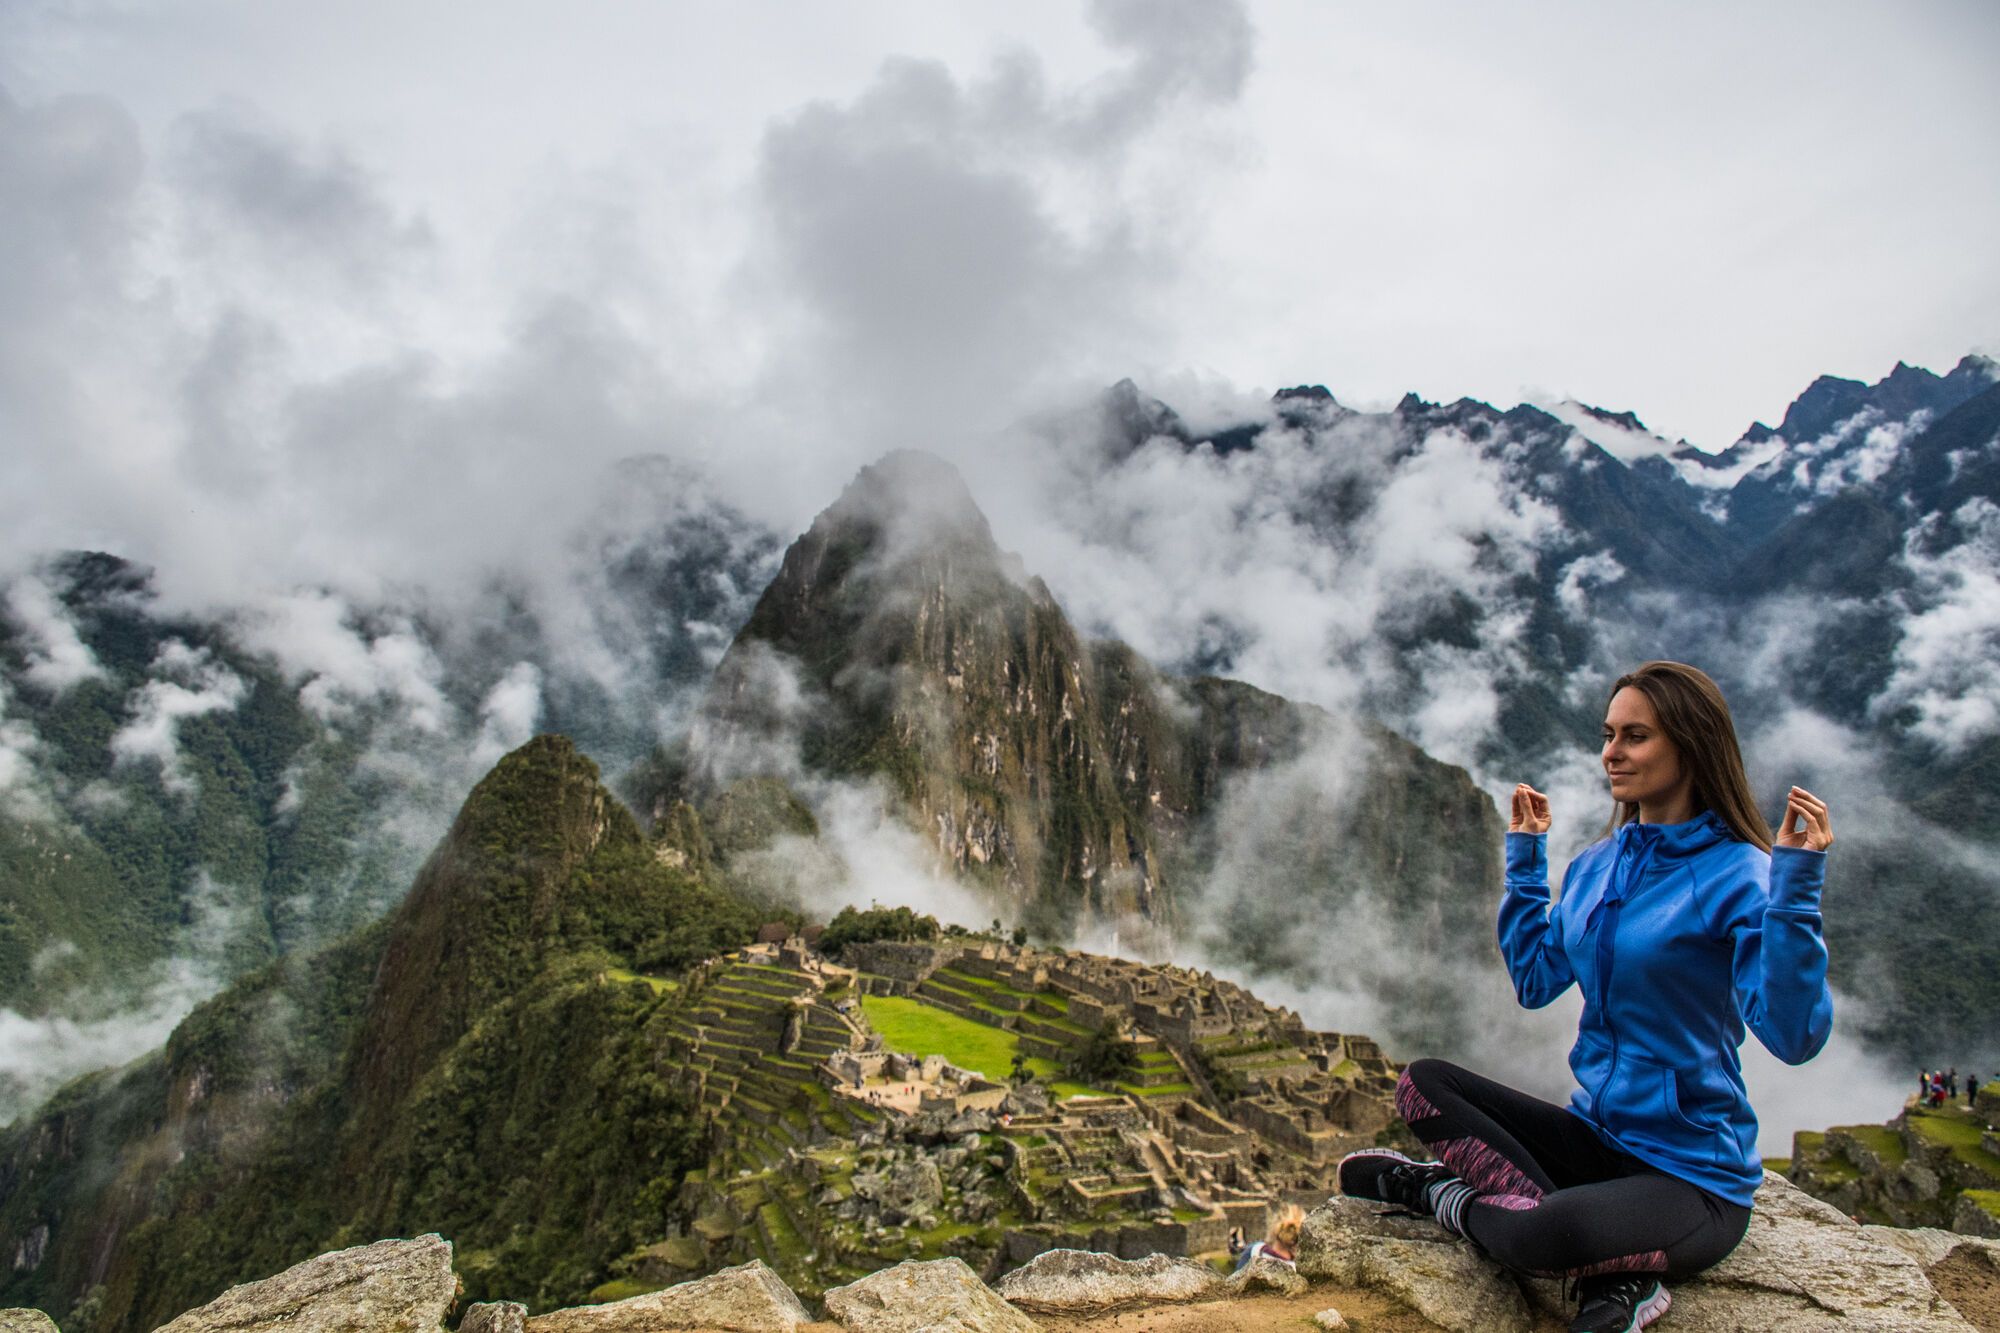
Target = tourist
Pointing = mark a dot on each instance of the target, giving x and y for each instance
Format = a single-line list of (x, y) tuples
[(1971, 1089), (1951, 1083), (1681, 924)]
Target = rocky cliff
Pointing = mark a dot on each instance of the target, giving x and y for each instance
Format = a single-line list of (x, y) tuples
[(1076, 781)]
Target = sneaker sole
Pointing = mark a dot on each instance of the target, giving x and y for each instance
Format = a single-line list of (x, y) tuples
[(1341, 1171), (1649, 1310)]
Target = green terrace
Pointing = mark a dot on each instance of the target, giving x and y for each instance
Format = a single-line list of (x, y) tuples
[(919, 1027), (1958, 1131)]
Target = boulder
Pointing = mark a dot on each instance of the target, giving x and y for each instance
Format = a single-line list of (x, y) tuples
[(911, 1188), (1330, 1318), (1927, 1245), (26, 1321), (1266, 1274), (1803, 1267), (1414, 1260), (494, 1317), (749, 1298), (1085, 1282), (392, 1286), (939, 1296)]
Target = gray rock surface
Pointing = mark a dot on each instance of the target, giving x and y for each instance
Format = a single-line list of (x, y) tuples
[(938, 1296), (1804, 1267), (1929, 1246), (1086, 1281), (26, 1321), (1359, 1244), (912, 1187), (392, 1286), (749, 1298), (494, 1317), (1262, 1274)]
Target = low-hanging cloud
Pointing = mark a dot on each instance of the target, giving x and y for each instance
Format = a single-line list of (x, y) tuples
[(55, 658), (1947, 661), (188, 682)]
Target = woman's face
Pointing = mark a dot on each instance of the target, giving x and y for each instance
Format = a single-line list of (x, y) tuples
[(1643, 765)]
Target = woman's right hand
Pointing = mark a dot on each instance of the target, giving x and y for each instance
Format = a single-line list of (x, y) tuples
[(1530, 812)]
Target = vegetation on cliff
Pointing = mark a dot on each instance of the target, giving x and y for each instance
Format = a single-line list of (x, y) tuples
[(471, 1065)]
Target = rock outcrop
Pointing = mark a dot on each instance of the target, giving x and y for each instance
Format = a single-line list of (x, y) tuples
[(1802, 1268), (749, 1298), (1085, 1282), (1415, 1261), (494, 1317), (26, 1321), (941, 1296), (392, 1286)]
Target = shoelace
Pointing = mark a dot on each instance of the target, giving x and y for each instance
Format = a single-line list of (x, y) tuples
[(1627, 1289)]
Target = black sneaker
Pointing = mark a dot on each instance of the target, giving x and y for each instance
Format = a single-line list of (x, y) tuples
[(1390, 1177), (1619, 1305)]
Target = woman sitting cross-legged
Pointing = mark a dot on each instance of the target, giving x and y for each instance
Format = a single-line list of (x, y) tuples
[(1681, 926)]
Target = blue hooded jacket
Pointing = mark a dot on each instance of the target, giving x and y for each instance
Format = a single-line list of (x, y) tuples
[(1679, 935)]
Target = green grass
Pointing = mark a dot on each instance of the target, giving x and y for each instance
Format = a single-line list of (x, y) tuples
[(1958, 1132), (1164, 1090), (660, 985), (1782, 1165), (1885, 1143), (621, 1289), (1989, 1200), (916, 1028)]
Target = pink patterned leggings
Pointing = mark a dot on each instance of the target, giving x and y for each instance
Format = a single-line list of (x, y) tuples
[(1554, 1199)]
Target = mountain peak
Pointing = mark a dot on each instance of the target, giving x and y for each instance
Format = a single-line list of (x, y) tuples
[(905, 503)]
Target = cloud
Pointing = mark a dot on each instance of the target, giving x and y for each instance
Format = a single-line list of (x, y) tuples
[(55, 657), (288, 204), (21, 796), (1573, 589), (508, 714), (953, 246), (1947, 660), (188, 683), (340, 666), (95, 1029)]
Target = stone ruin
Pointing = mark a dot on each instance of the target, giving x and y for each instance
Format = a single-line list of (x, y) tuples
[(822, 1134)]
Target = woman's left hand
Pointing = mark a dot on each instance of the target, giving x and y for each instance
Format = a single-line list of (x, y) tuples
[(1804, 824)]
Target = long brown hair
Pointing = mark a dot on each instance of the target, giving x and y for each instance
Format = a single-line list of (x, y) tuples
[(1696, 719)]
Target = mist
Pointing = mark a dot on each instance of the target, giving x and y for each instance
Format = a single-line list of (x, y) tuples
[(466, 446)]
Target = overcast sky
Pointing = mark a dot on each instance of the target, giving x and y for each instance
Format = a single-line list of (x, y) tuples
[(1687, 210)]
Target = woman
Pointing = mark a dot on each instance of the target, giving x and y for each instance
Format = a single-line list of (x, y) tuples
[(1681, 926)]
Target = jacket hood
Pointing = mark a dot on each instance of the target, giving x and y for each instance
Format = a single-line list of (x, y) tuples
[(1674, 841)]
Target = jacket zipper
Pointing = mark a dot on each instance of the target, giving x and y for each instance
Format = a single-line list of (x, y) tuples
[(1640, 852)]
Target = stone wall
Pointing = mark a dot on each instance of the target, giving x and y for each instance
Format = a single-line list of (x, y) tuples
[(898, 960)]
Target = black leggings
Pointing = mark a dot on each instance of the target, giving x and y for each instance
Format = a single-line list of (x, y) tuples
[(1554, 1199)]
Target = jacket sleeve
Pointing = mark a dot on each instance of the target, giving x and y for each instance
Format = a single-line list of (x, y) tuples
[(1529, 942), (1780, 957)]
